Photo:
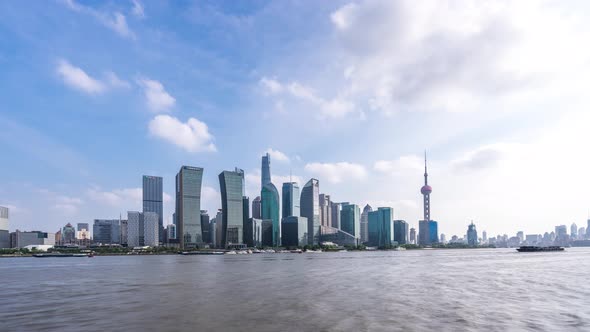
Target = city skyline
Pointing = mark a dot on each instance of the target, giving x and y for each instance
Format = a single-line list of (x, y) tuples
[(83, 121)]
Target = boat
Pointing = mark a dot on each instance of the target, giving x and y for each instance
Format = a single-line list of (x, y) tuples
[(57, 254), (539, 249), (233, 252), (296, 251), (201, 253)]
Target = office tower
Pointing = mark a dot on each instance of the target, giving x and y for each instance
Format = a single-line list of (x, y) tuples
[(267, 233), (20, 239), (294, 231), (124, 231), (381, 226), (561, 237), (433, 231), (4, 232), (588, 229), (171, 230), (400, 231), (336, 209), (142, 229), (205, 226), (265, 178), (107, 231), (423, 233), (472, 235), (325, 210), (232, 193), (82, 225), (271, 210), (245, 216), (256, 209), (291, 200), (188, 207), (520, 236), (68, 234), (218, 228), (310, 209), (581, 233), (574, 231), (443, 238), (412, 235), (484, 236), (253, 233), (350, 220), (153, 200), (365, 223)]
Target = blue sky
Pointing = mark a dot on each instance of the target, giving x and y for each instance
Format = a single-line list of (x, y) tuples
[(95, 94)]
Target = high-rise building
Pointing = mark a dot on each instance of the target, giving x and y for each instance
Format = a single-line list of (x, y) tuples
[(365, 223), (205, 226), (336, 209), (82, 225), (581, 233), (4, 232), (443, 239), (106, 231), (294, 231), (520, 236), (325, 210), (265, 178), (427, 228), (561, 237), (412, 235), (256, 208), (588, 229), (267, 233), (350, 220), (291, 205), (400, 231), (124, 231), (20, 239), (381, 227), (171, 230), (271, 211), (310, 209), (218, 228), (484, 236), (232, 193), (253, 233), (423, 233), (574, 231), (68, 234), (153, 200), (142, 229), (188, 207), (245, 216), (471, 235), (426, 190), (433, 231)]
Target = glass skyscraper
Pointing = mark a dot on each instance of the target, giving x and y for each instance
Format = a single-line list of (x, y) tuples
[(400, 233), (381, 227), (336, 208), (310, 209), (232, 193), (188, 207), (291, 200), (325, 210), (153, 200), (350, 219), (365, 223), (471, 235), (433, 231), (271, 210), (265, 179)]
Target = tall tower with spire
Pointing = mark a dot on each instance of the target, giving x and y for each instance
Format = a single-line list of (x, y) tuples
[(426, 190)]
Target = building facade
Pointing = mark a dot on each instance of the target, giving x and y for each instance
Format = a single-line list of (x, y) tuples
[(232, 193), (153, 200), (68, 234), (310, 209), (253, 233), (365, 223), (265, 178), (106, 231), (336, 209), (256, 207), (290, 200), (142, 229), (188, 207), (350, 219), (381, 227), (400, 231), (205, 226), (20, 239), (412, 235), (471, 235), (294, 231), (325, 210), (4, 231), (271, 210)]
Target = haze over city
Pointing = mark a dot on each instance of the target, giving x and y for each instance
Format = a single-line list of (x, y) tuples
[(94, 95)]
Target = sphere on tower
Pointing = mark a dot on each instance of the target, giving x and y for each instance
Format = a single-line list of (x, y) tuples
[(426, 190)]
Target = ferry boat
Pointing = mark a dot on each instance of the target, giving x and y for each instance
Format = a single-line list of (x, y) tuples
[(539, 249), (60, 255)]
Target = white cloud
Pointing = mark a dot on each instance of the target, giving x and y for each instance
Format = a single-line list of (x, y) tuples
[(277, 155), (129, 198), (157, 98), (271, 85), (113, 80), (78, 79), (337, 172), (193, 136), (138, 9), (114, 21), (484, 157), (399, 166), (62, 203)]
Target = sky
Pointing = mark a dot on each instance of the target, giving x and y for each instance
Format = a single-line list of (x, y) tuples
[(95, 94)]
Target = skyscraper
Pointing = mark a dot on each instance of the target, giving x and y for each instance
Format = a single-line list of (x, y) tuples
[(325, 210), (291, 205), (381, 226), (294, 231), (400, 231), (142, 229), (365, 223), (106, 231), (205, 226), (188, 207), (271, 211), (428, 228), (4, 232), (232, 193), (310, 209), (336, 208), (256, 209), (412, 235), (574, 231), (350, 220), (68, 234), (153, 200), (265, 179), (471, 235), (484, 236), (82, 225)]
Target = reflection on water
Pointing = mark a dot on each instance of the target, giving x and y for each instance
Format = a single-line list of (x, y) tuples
[(437, 290)]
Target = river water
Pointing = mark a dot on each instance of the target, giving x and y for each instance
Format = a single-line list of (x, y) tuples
[(414, 290)]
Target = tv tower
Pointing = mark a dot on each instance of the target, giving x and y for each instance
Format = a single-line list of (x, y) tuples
[(426, 190)]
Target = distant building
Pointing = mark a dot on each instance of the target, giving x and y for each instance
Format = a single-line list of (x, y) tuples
[(325, 210), (106, 231), (561, 237), (4, 231), (271, 210), (171, 230), (471, 235), (443, 239), (574, 231), (82, 225), (484, 236), (381, 227), (256, 208), (219, 228), (232, 193), (124, 231), (290, 199), (68, 234), (188, 207), (20, 239), (294, 231), (253, 233), (433, 231), (423, 233), (153, 200), (142, 229), (400, 231), (310, 209), (532, 239), (336, 209), (205, 227), (267, 233), (412, 235), (337, 236), (265, 178), (365, 223), (520, 236), (581, 233)]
